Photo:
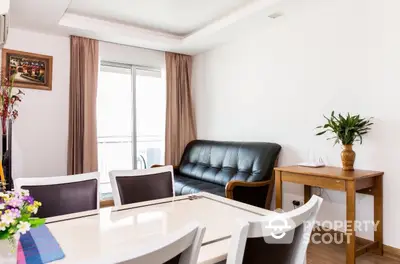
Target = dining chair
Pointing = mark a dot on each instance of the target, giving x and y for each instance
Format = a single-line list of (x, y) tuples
[(62, 195), (180, 247), (132, 186), (278, 238)]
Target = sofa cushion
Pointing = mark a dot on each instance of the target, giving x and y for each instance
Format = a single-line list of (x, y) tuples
[(220, 162), (185, 185)]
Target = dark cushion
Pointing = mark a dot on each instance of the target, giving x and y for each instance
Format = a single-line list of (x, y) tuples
[(257, 251), (64, 198), (220, 162), (136, 189), (185, 185)]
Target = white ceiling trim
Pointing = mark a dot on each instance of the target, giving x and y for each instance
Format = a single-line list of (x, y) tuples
[(104, 27), (230, 19), (136, 36)]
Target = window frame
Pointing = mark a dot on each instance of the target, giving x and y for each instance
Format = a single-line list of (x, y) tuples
[(133, 71)]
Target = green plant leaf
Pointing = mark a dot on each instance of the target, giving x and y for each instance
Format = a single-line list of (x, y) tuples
[(346, 128), (4, 235), (36, 222)]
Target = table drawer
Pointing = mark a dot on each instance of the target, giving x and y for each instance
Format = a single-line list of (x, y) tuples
[(315, 181)]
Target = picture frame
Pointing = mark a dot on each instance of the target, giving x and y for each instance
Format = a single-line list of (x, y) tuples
[(31, 70)]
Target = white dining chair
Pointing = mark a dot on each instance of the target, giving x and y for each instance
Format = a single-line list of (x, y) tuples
[(278, 238), (180, 247), (132, 186), (62, 195)]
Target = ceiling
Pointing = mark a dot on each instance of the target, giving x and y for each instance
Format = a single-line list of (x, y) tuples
[(185, 26), (178, 17)]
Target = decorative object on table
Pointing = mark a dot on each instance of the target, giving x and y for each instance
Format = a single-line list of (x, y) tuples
[(38, 246), (9, 100), (16, 218), (313, 164), (346, 130), (31, 70)]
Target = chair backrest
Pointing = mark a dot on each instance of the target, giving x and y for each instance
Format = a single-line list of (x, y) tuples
[(62, 195), (132, 186), (181, 247), (256, 242), (220, 162)]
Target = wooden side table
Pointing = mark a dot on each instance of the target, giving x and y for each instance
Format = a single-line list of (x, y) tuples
[(362, 181)]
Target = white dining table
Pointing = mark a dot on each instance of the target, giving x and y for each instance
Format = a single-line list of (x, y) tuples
[(97, 236)]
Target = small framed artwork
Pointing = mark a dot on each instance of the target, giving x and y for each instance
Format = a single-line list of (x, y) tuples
[(30, 70)]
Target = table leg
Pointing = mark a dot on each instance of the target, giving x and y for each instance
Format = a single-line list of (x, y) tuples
[(351, 217), (307, 193), (278, 190), (378, 213)]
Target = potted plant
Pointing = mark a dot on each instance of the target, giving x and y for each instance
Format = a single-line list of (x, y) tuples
[(346, 130), (16, 217)]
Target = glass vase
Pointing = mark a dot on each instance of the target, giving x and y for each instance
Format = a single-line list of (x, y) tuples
[(9, 250)]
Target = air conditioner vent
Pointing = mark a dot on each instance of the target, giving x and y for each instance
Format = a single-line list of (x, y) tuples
[(4, 25)]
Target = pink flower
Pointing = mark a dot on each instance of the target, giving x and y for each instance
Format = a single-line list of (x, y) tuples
[(15, 202), (15, 212)]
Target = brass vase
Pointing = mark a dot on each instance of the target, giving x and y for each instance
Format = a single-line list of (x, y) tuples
[(348, 158)]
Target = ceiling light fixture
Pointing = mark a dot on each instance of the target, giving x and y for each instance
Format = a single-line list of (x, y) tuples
[(275, 15)]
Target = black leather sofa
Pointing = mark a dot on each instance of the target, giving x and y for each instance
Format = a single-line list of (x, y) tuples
[(241, 171)]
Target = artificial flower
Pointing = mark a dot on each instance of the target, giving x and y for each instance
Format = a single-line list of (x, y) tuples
[(7, 218), (23, 227), (30, 208), (15, 212), (15, 202), (28, 199), (24, 192)]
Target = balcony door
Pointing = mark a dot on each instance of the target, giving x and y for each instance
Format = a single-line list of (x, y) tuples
[(130, 119)]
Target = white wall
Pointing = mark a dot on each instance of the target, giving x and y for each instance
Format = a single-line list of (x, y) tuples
[(41, 131), (40, 134), (276, 83)]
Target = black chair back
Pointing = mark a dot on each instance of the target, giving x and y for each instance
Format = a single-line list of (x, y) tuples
[(136, 189), (65, 198)]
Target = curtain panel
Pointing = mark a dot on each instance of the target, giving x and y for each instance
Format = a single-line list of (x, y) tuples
[(82, 137), (180, 118)]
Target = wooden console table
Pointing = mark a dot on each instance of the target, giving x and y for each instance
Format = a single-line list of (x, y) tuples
[(362, 181)]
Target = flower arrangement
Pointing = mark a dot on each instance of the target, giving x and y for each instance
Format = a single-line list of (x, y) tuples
[(16, 210), (9, 99)]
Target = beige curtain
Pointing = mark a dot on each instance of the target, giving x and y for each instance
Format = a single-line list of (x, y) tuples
[(180, 120), (82, 138)]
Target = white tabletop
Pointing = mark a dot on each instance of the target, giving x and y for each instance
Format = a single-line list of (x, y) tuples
[(92, 236)]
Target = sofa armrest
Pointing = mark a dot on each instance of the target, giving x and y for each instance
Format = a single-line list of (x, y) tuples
[(254, 193)]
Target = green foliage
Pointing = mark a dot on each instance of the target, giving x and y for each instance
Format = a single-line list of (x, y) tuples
[(346, 130), (36, 222), (4, 235)]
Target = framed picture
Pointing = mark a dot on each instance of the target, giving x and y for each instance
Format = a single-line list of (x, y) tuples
[(30, 70)]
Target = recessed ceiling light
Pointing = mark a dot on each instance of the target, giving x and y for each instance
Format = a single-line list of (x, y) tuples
[(275, 15)]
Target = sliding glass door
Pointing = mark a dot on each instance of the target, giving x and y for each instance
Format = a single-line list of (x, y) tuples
[(130, 119), (150, 117)]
